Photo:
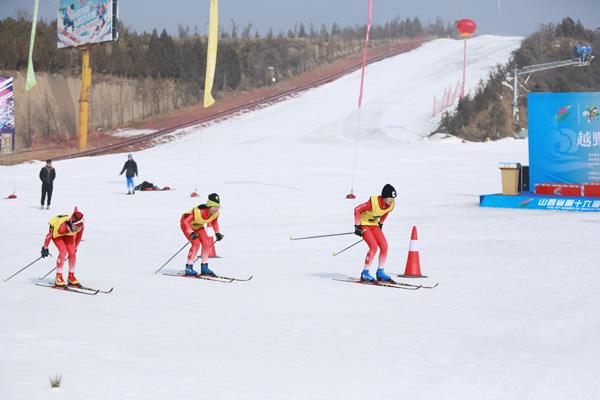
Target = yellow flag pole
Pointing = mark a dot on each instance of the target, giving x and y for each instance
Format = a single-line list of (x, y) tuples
[(86, 81), (211, 54)]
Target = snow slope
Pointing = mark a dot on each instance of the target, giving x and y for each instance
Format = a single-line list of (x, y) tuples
[(515, 315)]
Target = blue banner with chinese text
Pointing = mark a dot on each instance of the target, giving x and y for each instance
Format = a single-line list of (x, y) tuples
[(564, 138)]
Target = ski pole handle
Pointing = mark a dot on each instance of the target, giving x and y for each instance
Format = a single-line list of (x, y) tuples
[(352, 245), (169, 260), (321, 236)]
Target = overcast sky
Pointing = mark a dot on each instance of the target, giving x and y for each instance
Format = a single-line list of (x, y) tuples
[(508, 17)]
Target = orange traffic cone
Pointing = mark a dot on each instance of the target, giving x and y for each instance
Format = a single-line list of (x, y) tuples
[(413, 265)]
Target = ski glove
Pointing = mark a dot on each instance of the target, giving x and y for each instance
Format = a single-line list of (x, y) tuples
[(358, 230), (194, 236), (45, 252), (219, 236)]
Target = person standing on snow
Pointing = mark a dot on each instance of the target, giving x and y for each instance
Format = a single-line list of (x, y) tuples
[(192, 225), (132, 170), (66, 232), (47, 176), (368, 221)]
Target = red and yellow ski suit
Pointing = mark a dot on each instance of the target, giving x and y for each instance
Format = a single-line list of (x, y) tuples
[(65, 240), (194, 221), (370, 215)]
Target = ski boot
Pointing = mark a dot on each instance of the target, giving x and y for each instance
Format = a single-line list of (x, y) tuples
[(189, 270), (204, 270), (382, 276), (59, 281), (366, 276), (72, 280)]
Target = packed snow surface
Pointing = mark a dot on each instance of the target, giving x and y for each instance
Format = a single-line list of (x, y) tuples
[(515, 315), (128, 133)]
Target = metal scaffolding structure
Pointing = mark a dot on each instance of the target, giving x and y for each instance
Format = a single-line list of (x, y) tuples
[(583, 61)]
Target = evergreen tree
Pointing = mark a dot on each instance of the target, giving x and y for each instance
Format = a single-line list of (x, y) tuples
[(302, 31)]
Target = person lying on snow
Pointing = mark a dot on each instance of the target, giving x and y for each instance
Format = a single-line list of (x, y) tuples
[(149, 187)]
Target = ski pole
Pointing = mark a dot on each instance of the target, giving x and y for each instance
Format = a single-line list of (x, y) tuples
[(352, 245), (52, 270), (23, 269), (169, 260), (321, 236)]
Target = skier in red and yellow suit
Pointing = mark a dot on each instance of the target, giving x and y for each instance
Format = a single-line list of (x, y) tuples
[(66, 232), (192, 225), (368, 221)]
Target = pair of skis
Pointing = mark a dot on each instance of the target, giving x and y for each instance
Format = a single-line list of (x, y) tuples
[(80, 289), (390, 284), (214, 278)]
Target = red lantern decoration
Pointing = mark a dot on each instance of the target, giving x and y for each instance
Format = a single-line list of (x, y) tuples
[(466, 28)]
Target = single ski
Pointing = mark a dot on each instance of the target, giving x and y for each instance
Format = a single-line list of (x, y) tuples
[(91, 289), (214, 278), (421, 286), (392, 284), (89, 292), (237, 279)]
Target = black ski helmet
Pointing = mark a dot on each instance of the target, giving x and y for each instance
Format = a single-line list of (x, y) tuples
[(213, 200), (388, 191)]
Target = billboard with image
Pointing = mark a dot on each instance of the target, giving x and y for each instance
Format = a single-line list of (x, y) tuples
[(564, 138), (82, 22), (7, 116)]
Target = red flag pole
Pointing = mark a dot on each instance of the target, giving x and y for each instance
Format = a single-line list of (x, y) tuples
[(366, 49), (360, 96), (462, 92)]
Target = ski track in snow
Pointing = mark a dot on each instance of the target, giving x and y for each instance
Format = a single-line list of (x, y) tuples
[(515, 315)]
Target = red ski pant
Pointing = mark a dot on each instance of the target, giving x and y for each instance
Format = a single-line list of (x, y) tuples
[(202, 240), (65, 245), (374, 237)]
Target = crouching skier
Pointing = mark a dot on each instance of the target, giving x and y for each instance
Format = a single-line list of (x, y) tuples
[(368, 221), (66, 232), (192, 225)]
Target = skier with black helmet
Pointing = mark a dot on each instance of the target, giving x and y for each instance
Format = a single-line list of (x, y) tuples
[(192, 225), (368, 221)]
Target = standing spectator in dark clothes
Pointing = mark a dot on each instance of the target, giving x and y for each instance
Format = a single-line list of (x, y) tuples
[(132, 170), (47, 175)]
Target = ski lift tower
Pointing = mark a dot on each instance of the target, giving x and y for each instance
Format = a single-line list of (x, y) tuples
[(583, 58)]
